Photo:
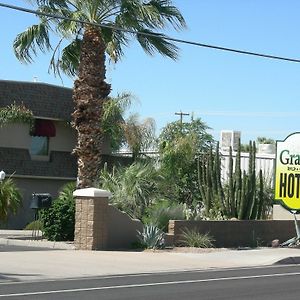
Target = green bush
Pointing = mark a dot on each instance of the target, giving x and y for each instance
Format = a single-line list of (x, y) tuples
[(151, 237), (59, 220), (192, 238)]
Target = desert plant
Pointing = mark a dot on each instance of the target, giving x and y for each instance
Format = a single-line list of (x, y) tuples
[(242, 196), (151, 237), (192, 238), (133, 188), (59, 220), (10, 198), (163, 211)]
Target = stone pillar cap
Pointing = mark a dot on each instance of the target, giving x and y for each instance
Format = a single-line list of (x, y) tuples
[(92, 192)]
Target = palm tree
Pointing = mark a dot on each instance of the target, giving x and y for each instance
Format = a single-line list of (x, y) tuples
[(139, 136), (84, 55)]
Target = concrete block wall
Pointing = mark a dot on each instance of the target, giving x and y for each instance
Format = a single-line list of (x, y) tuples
[(100, 226), (245, 233)]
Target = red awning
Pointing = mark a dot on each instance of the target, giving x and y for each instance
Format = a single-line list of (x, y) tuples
[(44, 128)]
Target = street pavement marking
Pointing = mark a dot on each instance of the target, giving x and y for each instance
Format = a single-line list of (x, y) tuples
[(147, 284), (154, 273)]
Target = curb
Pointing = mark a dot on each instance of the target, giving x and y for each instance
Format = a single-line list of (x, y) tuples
[(292, 260), (38, 244)]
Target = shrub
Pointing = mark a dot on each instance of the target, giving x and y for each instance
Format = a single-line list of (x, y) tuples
[(10, 198), (192, 238), (151, 237), (34, 225), (59, 220)]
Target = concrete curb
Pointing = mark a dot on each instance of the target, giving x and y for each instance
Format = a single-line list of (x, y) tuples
[(292, 260), (38, 244)]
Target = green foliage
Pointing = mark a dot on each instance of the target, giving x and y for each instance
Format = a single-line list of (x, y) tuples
[(179, 146), (59, 220), (136, 135), (10, 198), (34, 225), (135, 15), (264, 140), (196, 128), (151, 237), (133, 188), (112, 119), (243, 196), (16, 113), (162, 211), (139, 136), (192, 238)]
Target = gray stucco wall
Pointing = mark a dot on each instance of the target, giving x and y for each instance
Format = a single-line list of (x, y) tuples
[(27, 187), (18, 162)]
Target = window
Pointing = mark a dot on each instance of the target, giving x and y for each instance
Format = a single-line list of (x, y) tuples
[(39, 145)]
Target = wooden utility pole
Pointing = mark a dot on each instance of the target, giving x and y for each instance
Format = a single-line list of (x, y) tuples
[(181, 114)]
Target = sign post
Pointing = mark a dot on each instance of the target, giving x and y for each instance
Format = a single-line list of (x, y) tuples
[(287, 178)]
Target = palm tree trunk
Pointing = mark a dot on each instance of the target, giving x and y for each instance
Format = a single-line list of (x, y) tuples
[(90, 91)]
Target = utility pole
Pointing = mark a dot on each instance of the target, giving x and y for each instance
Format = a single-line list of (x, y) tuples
[(181, 114)]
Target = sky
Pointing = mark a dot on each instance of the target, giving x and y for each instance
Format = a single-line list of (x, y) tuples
[(257, 96)]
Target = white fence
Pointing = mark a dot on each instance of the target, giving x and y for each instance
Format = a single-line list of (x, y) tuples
[(264, 162)]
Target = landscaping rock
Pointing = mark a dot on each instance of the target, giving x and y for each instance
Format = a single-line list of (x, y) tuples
[(275, 243)]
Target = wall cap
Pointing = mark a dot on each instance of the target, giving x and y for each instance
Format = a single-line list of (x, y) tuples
[(92, 192)]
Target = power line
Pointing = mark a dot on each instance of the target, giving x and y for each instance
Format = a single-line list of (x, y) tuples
[(181, 41)]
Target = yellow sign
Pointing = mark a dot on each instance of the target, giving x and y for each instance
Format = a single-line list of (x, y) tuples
[(287, 172)]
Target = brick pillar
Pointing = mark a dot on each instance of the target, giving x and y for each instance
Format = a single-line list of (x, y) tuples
[(91, 219)]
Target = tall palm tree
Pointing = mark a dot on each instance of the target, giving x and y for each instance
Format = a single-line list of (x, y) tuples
[(84, 55)]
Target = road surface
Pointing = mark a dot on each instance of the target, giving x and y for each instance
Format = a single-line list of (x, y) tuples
[(274, 282)]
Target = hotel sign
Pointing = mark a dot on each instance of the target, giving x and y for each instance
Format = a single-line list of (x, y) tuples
[(287, 173)]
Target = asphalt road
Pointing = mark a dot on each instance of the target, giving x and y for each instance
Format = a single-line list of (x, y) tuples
[(276, 282)]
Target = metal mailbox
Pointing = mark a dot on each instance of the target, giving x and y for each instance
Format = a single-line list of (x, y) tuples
[(40, 201)]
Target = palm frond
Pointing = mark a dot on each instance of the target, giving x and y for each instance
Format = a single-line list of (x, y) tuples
[(27, 42), (157, 43), (68, 61), (114, 40), (166, 11)]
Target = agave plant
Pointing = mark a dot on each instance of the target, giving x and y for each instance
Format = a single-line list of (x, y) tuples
[(151, 237)]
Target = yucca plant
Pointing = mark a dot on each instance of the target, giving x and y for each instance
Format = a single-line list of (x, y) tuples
[(192, 238), (151, 237), (10, 198)]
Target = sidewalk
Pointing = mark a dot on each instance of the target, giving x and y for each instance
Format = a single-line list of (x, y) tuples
[(40, 265)]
